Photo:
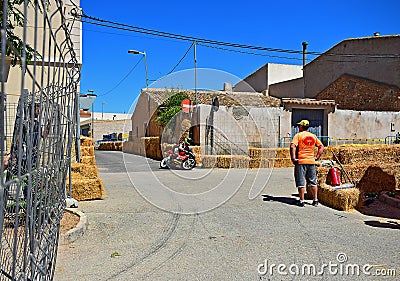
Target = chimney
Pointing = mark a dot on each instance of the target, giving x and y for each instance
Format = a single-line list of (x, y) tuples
[(227, 87), (377, 33)]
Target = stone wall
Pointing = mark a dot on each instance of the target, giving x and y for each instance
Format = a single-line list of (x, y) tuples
[(354, 93)]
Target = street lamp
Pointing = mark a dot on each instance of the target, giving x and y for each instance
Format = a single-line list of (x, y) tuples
[(135, 52), (92, 127)]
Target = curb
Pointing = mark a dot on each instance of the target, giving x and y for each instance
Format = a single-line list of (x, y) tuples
[(76, 232)]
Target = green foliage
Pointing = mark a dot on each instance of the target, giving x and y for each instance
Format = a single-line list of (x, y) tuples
[(15, 18), (170, 108), (115, 254)]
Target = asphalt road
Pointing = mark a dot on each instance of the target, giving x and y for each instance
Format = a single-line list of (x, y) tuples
[(204, 225)]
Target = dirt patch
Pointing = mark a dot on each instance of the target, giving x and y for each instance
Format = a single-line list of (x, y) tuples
[(68, 221)]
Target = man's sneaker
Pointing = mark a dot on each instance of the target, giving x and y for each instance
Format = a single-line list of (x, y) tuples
[(315, 203), (300, 203)]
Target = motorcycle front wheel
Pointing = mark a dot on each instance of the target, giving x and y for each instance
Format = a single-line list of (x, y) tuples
[(163, 163), (189, 164)]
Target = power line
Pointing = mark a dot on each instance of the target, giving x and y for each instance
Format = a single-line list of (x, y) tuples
[(248, 53), (180, 59), (131, 28), (123, 79)]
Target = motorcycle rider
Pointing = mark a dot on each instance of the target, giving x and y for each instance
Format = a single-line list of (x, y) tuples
[(183, 148)]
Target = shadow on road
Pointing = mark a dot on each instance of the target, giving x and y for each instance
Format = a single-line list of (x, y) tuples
[(285, 200), (388, 224)]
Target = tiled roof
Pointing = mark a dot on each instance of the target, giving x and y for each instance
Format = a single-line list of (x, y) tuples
[(225, 98), (308, 102)]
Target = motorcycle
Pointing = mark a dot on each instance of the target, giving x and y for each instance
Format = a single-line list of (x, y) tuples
[(182, 160)]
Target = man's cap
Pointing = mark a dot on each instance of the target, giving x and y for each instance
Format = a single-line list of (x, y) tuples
[(304, 123)]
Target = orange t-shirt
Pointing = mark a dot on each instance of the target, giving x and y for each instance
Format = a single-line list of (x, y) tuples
[(305, 143)]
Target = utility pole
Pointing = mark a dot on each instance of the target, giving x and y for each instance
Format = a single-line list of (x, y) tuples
[(195, 88)]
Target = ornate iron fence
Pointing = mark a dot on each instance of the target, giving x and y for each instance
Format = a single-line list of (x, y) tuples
[(38, 107)]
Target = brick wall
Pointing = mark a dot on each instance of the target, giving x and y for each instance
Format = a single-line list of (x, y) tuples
[(102, 127)]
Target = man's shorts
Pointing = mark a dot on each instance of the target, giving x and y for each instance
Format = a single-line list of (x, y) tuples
[(305, 173)]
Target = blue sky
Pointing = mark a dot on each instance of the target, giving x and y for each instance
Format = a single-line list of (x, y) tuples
[(110, 71)]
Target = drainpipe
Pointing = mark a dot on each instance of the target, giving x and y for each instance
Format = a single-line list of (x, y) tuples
[(304, 63), (304, 53)]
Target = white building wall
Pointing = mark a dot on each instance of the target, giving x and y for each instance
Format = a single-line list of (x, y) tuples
[(268, 74), (362, 124), (283, 72)]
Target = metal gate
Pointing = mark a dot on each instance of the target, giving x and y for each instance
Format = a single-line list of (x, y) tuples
[(315, 116), (37, 126)]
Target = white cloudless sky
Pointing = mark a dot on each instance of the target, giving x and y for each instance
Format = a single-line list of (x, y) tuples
[(110, 71)]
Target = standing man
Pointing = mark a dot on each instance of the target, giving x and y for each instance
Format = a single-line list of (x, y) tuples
[(302, 155)]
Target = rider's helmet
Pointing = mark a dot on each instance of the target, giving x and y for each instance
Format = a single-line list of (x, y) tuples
[(188, 141)]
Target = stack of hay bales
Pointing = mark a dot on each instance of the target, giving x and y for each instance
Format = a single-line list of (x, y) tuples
[(86, 185), (374, 168), (147, 146)]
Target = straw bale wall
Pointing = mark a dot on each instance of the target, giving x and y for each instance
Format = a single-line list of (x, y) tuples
[(353, 154), (225, 161), (148, 147), (111, 145)]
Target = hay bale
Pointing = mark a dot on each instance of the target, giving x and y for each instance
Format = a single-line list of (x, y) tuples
[(87, 189), (85, 141), (260, 163), (343, 199), (89, 171), (353, 154), (267, 153), (87, 150), (225, 161), (76, 175), (89, 160), (282, 162), (209, 161), (198, 153)]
